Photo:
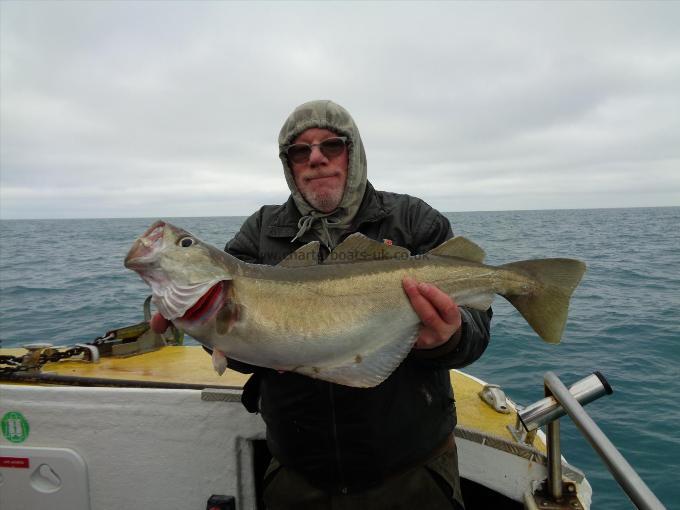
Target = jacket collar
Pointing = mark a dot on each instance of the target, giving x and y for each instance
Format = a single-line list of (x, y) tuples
[(285, 221)]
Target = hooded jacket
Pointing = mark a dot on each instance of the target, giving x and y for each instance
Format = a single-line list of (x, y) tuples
[(338, 437), (327, 228)]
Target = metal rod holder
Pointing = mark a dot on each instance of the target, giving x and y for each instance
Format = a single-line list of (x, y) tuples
[(548, 409), (623, 473)]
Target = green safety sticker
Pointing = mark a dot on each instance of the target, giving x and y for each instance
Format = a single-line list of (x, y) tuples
[(14, 427)]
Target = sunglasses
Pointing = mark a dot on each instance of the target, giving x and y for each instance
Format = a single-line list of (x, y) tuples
[(331, 147)]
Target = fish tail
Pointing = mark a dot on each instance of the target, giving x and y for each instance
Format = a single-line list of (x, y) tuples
[(546, 304)]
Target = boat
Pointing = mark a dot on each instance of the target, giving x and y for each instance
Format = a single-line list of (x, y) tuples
[(139, 420)]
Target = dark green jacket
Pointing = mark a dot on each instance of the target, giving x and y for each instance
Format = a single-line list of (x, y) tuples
[(342, 437)]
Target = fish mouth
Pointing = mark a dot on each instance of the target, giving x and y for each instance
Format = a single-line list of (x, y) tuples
[(207, 305), (145, 246)]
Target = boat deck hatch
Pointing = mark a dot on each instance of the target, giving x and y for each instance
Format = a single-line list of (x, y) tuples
[(54, 478)]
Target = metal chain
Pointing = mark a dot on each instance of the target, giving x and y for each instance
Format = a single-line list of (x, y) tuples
[(53, 355), (103, 339), (13, 364), (26, 362)]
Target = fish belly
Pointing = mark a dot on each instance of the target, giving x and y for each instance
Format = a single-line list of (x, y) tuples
[(339, 331)]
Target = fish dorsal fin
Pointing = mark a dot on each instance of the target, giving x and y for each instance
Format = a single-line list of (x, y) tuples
[(359, 248), (460, 248), (305, 256)]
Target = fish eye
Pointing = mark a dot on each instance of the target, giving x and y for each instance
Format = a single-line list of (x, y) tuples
[(185, 242)]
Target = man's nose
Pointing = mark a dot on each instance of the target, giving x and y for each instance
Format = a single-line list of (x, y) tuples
[(317, 157)]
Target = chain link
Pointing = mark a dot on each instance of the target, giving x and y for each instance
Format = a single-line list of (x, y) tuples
[(103, 339), (11, 364)]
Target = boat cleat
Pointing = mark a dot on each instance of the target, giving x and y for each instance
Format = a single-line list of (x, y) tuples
[(31, 362), (493, 395)]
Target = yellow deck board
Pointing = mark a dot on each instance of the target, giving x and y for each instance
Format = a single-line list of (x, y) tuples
[(192, 365), (473, 413), (187, 364)]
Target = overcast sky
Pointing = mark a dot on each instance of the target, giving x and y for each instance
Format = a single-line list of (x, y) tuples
[(160, 109)]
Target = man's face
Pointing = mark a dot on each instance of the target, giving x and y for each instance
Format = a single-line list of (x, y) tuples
[(321, 180)]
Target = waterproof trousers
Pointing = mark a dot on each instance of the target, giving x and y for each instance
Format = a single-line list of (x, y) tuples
[(432, 486)]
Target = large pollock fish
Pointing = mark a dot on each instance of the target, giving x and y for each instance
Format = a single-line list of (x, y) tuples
[(347, 320)]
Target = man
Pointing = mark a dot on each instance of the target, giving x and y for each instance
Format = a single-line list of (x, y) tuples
[(334, 446)]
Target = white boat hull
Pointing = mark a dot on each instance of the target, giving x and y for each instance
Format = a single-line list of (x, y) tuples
[(170, 448)]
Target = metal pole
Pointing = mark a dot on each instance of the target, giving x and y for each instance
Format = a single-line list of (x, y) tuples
[(554, 460), (552, 433), (624, 474)]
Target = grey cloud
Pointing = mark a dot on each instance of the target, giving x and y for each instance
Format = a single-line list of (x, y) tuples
[(486, 105)]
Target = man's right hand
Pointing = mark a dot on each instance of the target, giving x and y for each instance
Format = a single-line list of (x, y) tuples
[(158, 323)]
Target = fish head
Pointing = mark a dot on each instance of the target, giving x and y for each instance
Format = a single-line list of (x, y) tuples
[(182, 271)]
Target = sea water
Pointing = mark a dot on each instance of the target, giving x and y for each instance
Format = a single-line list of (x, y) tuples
[(63, 282)]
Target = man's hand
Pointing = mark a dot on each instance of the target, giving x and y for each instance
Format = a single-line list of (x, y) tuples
[(438, 313), (158, 323)]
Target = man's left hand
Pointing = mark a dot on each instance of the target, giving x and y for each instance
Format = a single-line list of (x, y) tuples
[(438, 313)]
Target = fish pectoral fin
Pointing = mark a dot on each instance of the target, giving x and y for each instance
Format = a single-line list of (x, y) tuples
[(477, 300), (368, 368), (460, 248), (307, 255), (219, 361), (359, 248)]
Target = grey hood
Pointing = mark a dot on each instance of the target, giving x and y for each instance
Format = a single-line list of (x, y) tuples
[(326, 114)]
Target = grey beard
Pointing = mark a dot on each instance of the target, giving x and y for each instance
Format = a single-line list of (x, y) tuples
[(325, 202)]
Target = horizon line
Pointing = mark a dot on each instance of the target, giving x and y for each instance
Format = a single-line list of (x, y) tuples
[(246, 215)]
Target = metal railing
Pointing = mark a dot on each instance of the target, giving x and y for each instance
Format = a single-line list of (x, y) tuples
[(561, 400)]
